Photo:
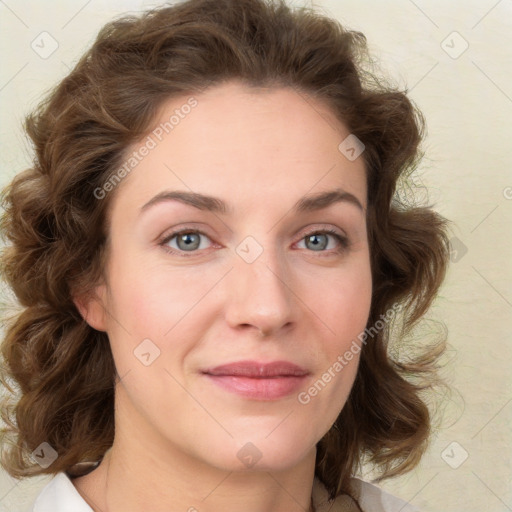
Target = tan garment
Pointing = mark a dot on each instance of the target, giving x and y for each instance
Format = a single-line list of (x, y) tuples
[(322, 504)]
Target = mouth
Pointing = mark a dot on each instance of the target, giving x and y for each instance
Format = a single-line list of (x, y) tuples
[(258, 381)]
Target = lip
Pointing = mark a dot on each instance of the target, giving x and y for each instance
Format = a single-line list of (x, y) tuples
[(256, 369), (259, 381)]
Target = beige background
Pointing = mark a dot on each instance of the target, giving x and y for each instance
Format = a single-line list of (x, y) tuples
[(467, 99)]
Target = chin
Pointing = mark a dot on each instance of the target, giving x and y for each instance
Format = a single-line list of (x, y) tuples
[(260, 453)]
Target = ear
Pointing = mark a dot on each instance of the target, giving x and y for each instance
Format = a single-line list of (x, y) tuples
[(93, 307)]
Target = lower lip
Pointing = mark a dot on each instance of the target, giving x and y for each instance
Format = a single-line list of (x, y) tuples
[(259, 388)]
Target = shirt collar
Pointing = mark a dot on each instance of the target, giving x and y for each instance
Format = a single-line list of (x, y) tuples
[(60, 495)]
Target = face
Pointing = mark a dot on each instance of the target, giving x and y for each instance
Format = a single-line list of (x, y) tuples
[(263, 279)]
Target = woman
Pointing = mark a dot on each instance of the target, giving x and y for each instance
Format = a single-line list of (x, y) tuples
[(211, 260)]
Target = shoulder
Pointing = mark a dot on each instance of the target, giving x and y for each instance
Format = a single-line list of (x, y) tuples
[(60, 495), (371, 498)]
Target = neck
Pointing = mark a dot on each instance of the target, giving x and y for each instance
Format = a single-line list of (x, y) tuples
[(121, 482), (140, 473)]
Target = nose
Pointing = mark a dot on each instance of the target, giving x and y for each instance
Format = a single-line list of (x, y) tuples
[(260, 295)]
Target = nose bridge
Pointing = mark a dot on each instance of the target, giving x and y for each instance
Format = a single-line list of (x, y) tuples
[(259, 292)]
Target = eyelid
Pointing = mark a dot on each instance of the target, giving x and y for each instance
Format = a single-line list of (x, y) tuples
[(328, 228)]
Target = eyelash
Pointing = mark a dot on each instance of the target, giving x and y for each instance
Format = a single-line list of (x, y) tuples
[(342, 240)]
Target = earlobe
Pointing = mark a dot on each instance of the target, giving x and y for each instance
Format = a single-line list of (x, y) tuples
[(92, 308)]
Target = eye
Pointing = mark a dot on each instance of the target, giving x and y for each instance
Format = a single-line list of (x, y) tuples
[(190, 240), (187, 240), (318, 241)]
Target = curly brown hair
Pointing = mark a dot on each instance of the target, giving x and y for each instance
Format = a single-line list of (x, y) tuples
[(56, 230)]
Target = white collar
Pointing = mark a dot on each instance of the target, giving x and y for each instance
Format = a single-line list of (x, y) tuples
[(60, 495)]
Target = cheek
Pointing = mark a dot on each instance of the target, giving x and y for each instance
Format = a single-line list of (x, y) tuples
[(151, 300), (344, 307), (344, 304)]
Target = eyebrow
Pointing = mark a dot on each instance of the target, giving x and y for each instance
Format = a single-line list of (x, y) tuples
[(309, 203)]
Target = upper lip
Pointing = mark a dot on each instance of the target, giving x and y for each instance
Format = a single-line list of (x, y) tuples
[(256, 369)]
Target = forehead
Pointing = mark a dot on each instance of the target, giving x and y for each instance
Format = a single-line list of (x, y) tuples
[(245, 143)]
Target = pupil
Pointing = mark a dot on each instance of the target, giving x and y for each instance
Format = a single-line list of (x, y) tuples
[(187, 238), (314, 240)]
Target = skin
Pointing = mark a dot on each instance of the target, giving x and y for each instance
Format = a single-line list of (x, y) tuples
[(177, 434)]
